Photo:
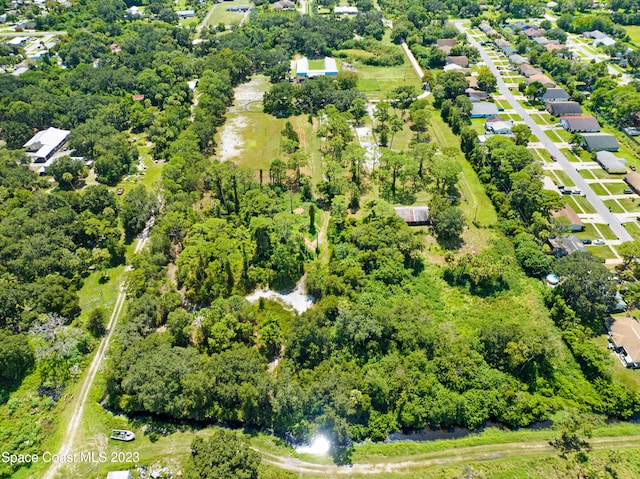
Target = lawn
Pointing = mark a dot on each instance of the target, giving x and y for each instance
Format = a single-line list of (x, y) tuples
[(261, 139), (586, 174), (599, 188), (539, 118), (584, 203), (96, 292), (543, 154), (589, 232), (189, 22), (564, 178), (605, 232), (618, 188), (553, 135), (317, 64), (634, 229), (377, 82), (564, 134), (478, 125), (631, 204), (220, 14), (603, 175), (613, 206), (603, 252), (477, 205)]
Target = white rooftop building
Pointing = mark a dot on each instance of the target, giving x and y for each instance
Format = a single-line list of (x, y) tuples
[(186, 13), (45, 143), (302, 68), (345, 10)]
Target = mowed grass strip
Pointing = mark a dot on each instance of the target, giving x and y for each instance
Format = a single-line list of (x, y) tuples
[(477, 205)]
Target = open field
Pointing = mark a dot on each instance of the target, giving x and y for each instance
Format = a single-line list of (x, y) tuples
[(378, 82), (221, 15)]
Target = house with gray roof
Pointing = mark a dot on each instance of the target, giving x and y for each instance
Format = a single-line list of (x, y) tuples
[(476, 96), (534, 32), (555, 94), (582, 124), (611, 163), (460, 60), (563, 108), (600, 142), (516, 59), (483, 110), (528, 70)]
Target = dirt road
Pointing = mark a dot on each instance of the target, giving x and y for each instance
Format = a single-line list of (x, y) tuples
[(78, 408), (454, 455)]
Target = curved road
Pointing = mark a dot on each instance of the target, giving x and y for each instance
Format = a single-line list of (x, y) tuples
[(608, 217)]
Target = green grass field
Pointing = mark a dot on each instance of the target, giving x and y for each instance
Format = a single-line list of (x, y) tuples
[(221, 15), (378, 82)]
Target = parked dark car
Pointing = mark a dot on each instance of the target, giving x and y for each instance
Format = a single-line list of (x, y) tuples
[(628, 191)]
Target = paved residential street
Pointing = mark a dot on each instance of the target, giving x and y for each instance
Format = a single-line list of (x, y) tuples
[(602, 210)]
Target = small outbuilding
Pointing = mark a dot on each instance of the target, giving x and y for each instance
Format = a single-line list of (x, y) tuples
[(611, 163), (414, 215), (345, 10), (284, 5), (186, 13)]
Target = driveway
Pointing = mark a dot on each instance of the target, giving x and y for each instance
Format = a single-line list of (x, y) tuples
[(609, 218)]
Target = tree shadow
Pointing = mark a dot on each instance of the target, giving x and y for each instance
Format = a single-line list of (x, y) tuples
[(342, 455), (450, 244)]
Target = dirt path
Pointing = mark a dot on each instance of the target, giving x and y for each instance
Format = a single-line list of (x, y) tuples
[(413, 61), (450, 456), (205, 21), (78, 410)]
